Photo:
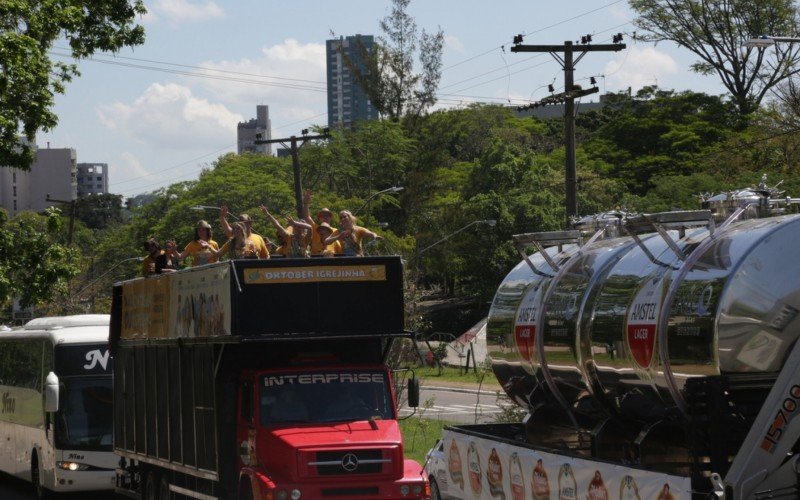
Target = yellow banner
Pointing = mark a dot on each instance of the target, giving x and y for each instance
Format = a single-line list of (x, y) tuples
[(145, 308), (313, 274)]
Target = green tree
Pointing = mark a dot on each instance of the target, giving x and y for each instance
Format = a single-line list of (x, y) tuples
[(29, 78), (99, 211), (714, 30), (388, 77), (33, 267)]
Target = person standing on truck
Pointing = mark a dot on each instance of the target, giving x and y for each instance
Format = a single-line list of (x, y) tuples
[(263, 248), (240, 246), (324, 231), (294, 237), (350, 235), (324, 216), (202, 246), (157, 261)]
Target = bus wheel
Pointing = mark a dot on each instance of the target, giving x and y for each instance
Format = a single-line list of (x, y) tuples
[(163, 488), (36, 478), (151, 486)]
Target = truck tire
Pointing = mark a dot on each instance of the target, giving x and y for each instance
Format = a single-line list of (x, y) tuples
[(150, 486), (36, 478), (435, 493)]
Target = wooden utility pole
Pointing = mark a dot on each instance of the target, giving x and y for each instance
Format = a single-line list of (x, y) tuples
[(294, 149), (568, 62)]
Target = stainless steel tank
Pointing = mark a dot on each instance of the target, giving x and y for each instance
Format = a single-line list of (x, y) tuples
[(623, 321)]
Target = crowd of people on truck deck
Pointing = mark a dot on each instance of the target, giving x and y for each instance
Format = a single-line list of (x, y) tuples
[(296, 239)]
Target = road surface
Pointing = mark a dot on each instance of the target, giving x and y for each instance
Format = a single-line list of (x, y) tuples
[(463, 407)]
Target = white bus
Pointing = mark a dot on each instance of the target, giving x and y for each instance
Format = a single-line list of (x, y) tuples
[(56, 404)]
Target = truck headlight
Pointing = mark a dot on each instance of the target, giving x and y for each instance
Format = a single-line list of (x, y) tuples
[(71, 466), (296, 494), (416, 489), (404, 490)]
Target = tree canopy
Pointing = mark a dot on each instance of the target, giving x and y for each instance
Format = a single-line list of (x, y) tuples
[(715, 30), (29, 77)]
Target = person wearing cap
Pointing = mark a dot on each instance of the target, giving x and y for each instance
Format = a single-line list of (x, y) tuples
[(324, 216), (263, 248), (294, 237), (350, 235), (202, 248), (324, 231)]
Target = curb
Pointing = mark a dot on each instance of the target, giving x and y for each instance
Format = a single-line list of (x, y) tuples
[(465, 390)]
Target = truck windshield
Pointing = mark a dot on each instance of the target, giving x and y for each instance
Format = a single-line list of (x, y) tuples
[(327, 396), (83, 421)]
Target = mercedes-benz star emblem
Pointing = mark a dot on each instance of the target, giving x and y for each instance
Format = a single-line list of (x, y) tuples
[(350, 462)]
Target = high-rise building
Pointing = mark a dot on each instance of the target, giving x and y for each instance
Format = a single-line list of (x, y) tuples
[(92, 178), (347, 101), (54, 173), (258, 128)]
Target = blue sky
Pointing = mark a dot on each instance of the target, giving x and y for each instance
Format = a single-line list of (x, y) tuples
[(148, 114)]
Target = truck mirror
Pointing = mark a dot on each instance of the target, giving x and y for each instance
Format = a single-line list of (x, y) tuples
[(51, 393), (413, 392)]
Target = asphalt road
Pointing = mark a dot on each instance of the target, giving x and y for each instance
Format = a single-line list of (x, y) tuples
[(12, 488), (461, 406)]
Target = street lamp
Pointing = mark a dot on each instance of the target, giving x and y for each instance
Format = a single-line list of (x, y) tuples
[(488, 222), (767, 41), (200, 208), (393, 189), (94, 281)]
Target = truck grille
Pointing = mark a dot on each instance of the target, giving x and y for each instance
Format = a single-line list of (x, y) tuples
[(347, 462)]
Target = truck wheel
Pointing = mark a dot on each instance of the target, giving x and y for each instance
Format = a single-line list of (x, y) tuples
[(151, 486), (36, 479), (435, 494), (163, 488)]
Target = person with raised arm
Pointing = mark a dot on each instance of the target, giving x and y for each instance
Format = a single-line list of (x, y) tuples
[(263, 247), (294, 237), (324, 216), (350, 235)]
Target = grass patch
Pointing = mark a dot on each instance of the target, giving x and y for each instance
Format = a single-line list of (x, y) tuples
[(452, 374), (420, 434)]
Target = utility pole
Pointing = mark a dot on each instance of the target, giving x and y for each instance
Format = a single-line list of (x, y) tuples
[(568, 62), (294, 148)]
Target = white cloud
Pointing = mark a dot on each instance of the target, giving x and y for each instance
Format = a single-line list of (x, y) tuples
[(126, 167), (283, 76), (638, 67), (169, 116), (454, 43), (184, 11)]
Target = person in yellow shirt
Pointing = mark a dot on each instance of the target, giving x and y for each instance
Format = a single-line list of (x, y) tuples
[(324, 216), (335, 248), (240, 246), (263, 247), (202, 248), (350, 235), (295, 237)]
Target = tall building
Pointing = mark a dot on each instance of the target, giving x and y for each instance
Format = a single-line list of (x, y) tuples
[(347, 102), (259, 127), (54, 173), (92, 178)]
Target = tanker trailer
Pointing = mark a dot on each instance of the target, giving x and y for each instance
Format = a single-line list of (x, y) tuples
[(658, 350)]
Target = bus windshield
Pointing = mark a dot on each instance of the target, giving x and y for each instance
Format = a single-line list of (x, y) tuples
[(326, 396), (84, 418)]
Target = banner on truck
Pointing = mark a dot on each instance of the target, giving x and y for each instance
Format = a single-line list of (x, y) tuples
[(485, 469), (313, 274), (145, 309), (200, 303)]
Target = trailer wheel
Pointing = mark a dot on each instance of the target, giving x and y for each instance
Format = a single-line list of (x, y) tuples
[(36, 478), (435, 494), (163, 488), (151, 486)]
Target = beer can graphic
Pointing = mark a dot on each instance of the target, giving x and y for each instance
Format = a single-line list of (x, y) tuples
[(454, 465), (597, 489), (540, 486), (567, 486), (628, 489), (494, 475), (516, 478), (474, 466)]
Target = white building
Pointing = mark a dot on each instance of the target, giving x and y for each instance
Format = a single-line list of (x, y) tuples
[(54, 173)]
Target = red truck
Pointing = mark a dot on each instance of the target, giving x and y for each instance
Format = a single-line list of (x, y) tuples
[(262, 379)]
